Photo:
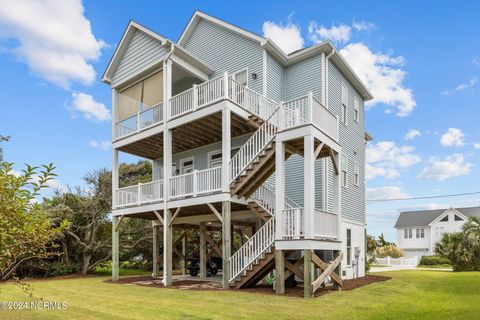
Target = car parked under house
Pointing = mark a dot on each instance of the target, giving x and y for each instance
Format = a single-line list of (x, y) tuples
[(243, 138), (418, 231)]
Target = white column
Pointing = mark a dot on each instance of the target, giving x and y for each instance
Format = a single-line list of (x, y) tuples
[(226, 242), (337, 195), (114, 112), (309, 185), (115, 248), (226, 147), (114, 177), (167, 229), (279, 188)]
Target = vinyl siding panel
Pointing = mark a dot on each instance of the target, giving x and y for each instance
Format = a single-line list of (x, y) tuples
[(225, 50), (352, 140), (275, 79), (303, 77), (142, 51)]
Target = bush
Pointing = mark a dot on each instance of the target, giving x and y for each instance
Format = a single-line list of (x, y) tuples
[(390, 250), (433, 260)]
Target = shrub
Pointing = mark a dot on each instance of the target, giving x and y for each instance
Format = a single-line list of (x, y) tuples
[(433, 260), (390, 250)]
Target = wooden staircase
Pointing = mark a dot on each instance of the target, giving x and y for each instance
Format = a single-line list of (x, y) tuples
[(257, 271), (259, 211)]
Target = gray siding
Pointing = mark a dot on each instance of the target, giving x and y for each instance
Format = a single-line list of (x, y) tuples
[(275, 79), (303, 77), (225, 50), (142, 52), (352, 140)]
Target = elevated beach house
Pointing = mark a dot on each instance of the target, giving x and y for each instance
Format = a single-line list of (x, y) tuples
[(247, 140), (418, 231)]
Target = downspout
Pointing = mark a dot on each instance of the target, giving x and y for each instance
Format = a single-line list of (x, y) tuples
[(324, 160)]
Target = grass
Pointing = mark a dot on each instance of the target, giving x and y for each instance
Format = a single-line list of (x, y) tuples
[(435, 266), (412, 294)]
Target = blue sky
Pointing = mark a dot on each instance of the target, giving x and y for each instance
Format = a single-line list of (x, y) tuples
[(422, 61)]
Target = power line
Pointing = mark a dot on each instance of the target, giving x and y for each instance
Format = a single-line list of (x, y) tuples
[(425, 197)]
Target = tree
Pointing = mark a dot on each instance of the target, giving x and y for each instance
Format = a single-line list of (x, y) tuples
[(462, 248), (383, 242), (25, 231)]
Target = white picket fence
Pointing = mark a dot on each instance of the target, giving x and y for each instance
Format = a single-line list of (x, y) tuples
[(396, 262)]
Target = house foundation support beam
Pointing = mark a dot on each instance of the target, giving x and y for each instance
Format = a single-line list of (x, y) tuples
[(203, 250), (309, 185), (184, 253), (115, 248), (167, 249), (226, 243), (279, 271), (307, 274), (155, 250)]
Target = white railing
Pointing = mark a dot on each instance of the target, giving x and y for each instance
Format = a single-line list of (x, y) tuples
[(388, 262), (325, 224), (139, 194), (196, 182), (257, 245), (325, 120), (251, 149), (209, 180), (139, 121), (295, 112), (293, 223), (265, 198), (197, 96), (251, 101)]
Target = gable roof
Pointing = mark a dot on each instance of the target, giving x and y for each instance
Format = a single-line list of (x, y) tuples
[(278, 53), (423, 218)]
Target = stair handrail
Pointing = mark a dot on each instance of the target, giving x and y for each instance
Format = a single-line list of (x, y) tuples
[(265, 198), (257, 245), (252, 148)]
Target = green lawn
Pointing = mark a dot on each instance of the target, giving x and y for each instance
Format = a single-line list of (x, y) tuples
[(413, 294)]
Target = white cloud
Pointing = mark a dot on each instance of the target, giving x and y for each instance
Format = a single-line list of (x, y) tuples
[(453, 138), (363, 26), (412, 134), (383, 75), (387, 192), (54, 39), (336, 33), (102, 145), (443, 169), (88, 107), (287, 37), (462, 86), (476, 145), (476, 61), (385, 158)]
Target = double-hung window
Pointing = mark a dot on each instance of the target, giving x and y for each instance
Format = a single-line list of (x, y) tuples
[(344, 118), (420, 233), (349, 247), (408, 233), (356, 174), (344, 171), (356, 110)]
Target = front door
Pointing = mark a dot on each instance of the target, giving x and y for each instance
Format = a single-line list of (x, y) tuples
[(186, 165)]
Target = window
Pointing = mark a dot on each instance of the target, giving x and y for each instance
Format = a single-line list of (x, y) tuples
[(241, 77), (457, 218), (215, 159), (349, 247), (439, 231), (344, 103), (420, 233), (344, 166), (444, 219), (186, 165), (408, 233), (356, 110), (356, 174)]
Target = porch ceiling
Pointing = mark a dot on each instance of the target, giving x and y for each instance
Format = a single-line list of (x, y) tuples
[(189, 136)]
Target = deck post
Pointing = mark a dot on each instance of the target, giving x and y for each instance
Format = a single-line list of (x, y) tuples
[(279, 271), (226, 243), (226, 147), (155, 250), (279, 188), (115, 248), (167, 248), (114, 177), (203, 250), (307, 274), (184, 253), (309, 185), (337, 196), (338, 270)]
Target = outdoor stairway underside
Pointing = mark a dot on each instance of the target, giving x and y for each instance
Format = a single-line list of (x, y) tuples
[(257, 271)]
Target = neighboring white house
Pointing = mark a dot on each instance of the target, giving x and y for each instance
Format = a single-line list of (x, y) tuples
[(418, 231)]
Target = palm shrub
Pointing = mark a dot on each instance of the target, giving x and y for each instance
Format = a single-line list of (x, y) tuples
[(389, 250), (462, 248)]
